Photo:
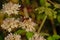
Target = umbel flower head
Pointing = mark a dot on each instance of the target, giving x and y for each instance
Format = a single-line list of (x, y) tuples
[(13, 37), (28, 25), (10, 23), (10, 8), (36, 36)]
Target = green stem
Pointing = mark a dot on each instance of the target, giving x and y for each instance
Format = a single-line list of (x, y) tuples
[(53, 26), (51, 2), (42, 23), (26, 12)]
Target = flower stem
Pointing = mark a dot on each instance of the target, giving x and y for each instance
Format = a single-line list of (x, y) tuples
[(42, 23), (53, 26), (51, 2), (26, 12)]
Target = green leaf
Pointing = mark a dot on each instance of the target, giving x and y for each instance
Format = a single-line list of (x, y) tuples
[(51, 13), (55, 14), (42, 2), (48, 4), (29, 35), (40, 16), (40, 10), (56, 36), (20, 32), (50, 38)]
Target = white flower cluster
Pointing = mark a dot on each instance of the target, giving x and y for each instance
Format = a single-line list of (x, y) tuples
[(10, 23), (11, 8), (36, 36), (13, 37), (28, 25)]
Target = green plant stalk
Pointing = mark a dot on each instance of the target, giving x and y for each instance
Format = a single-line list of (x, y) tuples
[(42, 23), (53, 26), (51, 2), (26, 12)]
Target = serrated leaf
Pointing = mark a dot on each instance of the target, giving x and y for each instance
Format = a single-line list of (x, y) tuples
[(29, 35)]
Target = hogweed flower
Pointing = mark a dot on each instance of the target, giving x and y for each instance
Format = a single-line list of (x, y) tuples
[(28, 25), (10, 23), (13, 37), (10, 8), (36, 36)]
